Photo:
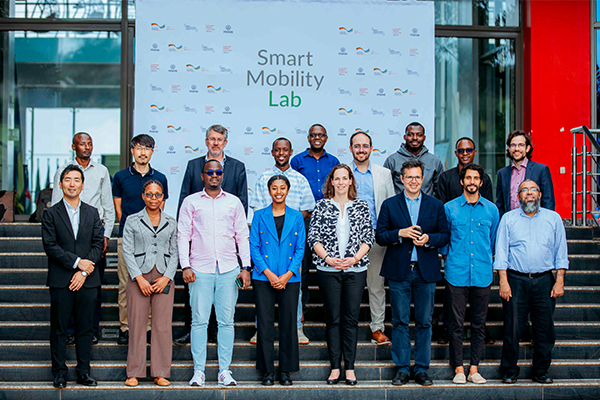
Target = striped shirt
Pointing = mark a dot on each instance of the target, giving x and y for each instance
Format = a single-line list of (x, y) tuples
[(300, 195)]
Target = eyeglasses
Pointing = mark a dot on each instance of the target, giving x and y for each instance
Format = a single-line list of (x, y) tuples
[(316, 135), (532, 190), (152, 195), (364, 147), (210, 172), (463, 151), (517, 145), (143, 149), (216, 140), (413, 178)]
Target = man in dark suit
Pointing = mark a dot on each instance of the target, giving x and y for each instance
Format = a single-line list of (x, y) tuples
[(73, 240), (234, 182), (413, 226), (519, 150)]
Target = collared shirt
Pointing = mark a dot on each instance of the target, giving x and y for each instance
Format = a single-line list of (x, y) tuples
[(472, 240), (365, 189), (531, 244), (316, 171), (299, 197), (414, 206), (214, 227), (517, 177), (96, 192), (449, 187), (74, 214), (128, 184)]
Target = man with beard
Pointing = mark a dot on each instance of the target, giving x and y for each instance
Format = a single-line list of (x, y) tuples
[(519, 150), (315, 164), (374, 185), (473, 221), (531, 244), (299, 198), (127, 196), (96, 193), (414, 149), (233, 182)]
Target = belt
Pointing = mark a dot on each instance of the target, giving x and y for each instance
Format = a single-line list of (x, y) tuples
[(530, 275), (413, 265)]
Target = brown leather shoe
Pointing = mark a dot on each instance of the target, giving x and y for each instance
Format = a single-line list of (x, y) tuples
[(160, 381), (379, 338), (131, 381)]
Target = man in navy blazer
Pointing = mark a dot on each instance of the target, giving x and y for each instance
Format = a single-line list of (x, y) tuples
[(413, 226), (519, 150)]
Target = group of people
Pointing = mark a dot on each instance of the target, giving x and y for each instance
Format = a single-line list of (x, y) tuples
[(358, 224)]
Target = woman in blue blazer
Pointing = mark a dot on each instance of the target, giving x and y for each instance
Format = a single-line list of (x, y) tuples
[(277, 247)]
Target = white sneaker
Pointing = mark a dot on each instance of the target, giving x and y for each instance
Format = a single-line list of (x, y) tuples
[(302, 339), (459, 378), (477, 378), (226, 379), (198, 379), (254, 338)]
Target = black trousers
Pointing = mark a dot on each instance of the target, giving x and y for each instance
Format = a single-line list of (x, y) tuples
[(82, 303), (342, 294), (530, 296), (100, 266), (306, 266), (265, 298), (478, 298)]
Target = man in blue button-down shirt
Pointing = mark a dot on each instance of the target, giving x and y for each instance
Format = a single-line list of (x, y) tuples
[(473, 221), (531, 244)]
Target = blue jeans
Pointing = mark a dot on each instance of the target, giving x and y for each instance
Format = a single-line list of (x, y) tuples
[(220, 290), (422, 294)]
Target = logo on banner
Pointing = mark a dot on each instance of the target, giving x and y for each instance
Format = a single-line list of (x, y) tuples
[(207, 48), (267, 131), (396, 31), (344, 111), (174, 170), (344, 92), (173, 129), (379, 71), (175, 88), (153, 129), (342, 71), (413, 52), (227, 110), (343, 51), (342, 132), (415, 32), (191, 67), (396, 112), (154, 67), (171, 150), (225, 70), (156, 108), (376, 31), (156, 27), (228, 29), (190, 149), (193, 89), (341, 152), (412, 72), (227, 49), (393, 132), (362, 51), (377, 113), (360, 71), (190, 27), (345, 31), (209, 28), (414, 113), (400, 92), (361, 130), (248, 131), (156, 89), (300, 131), (213, 89), (363, 91), (172, 68), (189, 109), (154, 47), (266, 151), (378, 151), (381, 92), (248, 150), (174, 47), (209, 109), (394, 52)]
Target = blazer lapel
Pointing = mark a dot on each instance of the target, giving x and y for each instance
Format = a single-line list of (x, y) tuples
[(404, 207), (62, 211), (162, 224), (146, 221), (270, 222), (422, 208), (287, 224), (82, 217)]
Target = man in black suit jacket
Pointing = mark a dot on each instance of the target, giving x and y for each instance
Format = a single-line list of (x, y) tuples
[(73, 240), (234, 182), (413, 226), (519, 150)]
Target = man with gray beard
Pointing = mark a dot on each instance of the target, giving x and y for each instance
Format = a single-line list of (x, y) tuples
[(531, 243)]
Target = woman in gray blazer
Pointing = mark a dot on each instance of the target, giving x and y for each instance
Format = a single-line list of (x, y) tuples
[(150, 253)]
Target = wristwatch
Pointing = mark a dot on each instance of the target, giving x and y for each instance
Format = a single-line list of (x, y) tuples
[(249, 269), (84, 274)]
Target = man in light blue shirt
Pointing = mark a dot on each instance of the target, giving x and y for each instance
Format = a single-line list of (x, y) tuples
[(531, 244), (473, 221)]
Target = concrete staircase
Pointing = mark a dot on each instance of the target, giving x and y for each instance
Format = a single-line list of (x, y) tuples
[(25, 353)]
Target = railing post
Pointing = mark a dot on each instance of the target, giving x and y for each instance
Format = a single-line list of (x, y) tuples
[(584, 156), (574, 181)]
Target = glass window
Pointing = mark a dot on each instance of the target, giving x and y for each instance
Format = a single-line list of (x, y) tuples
[(55, 85), (475, 97), (477, 12), (84, 9)]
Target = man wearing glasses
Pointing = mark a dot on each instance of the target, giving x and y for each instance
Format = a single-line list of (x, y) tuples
[(127, 197), (519, 150), (315, 164), (530, 245), (233, 182), (414, 149)]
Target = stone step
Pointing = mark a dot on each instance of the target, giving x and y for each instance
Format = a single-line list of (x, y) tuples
[(524, 389), (109, 350)]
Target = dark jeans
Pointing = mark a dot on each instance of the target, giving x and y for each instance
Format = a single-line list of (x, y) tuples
[(479, 298), (530, 296), (265, 297), (422, 293), (82, 303), (100, 266), (342, 294)]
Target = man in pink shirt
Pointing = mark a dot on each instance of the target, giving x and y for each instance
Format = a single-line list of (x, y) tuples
[(212, 229)]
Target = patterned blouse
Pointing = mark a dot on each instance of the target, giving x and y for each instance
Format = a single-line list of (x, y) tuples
[(323, 230)]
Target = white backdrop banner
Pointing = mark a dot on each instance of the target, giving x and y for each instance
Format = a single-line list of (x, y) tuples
[(266, 69)]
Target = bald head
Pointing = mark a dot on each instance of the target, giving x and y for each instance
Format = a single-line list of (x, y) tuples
[(82, 145)]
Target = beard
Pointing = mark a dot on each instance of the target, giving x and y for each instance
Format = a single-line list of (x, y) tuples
[(532, 206)]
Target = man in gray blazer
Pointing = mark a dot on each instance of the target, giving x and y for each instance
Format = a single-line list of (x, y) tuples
[(374, 185)]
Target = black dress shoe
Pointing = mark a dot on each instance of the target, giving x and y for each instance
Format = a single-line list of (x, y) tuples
[(60, 382), (94, 339), (333, 381), (268, 379), (123, 337), (400, 379), (510, 378), (351, 382), (86, 380), (149, 337), (70, 339), (543, 378), (285, 379), (183, 340), (443, 339), (423, 379), (488, 337)]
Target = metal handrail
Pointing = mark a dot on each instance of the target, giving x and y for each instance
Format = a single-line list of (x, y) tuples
[(585, 174)]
